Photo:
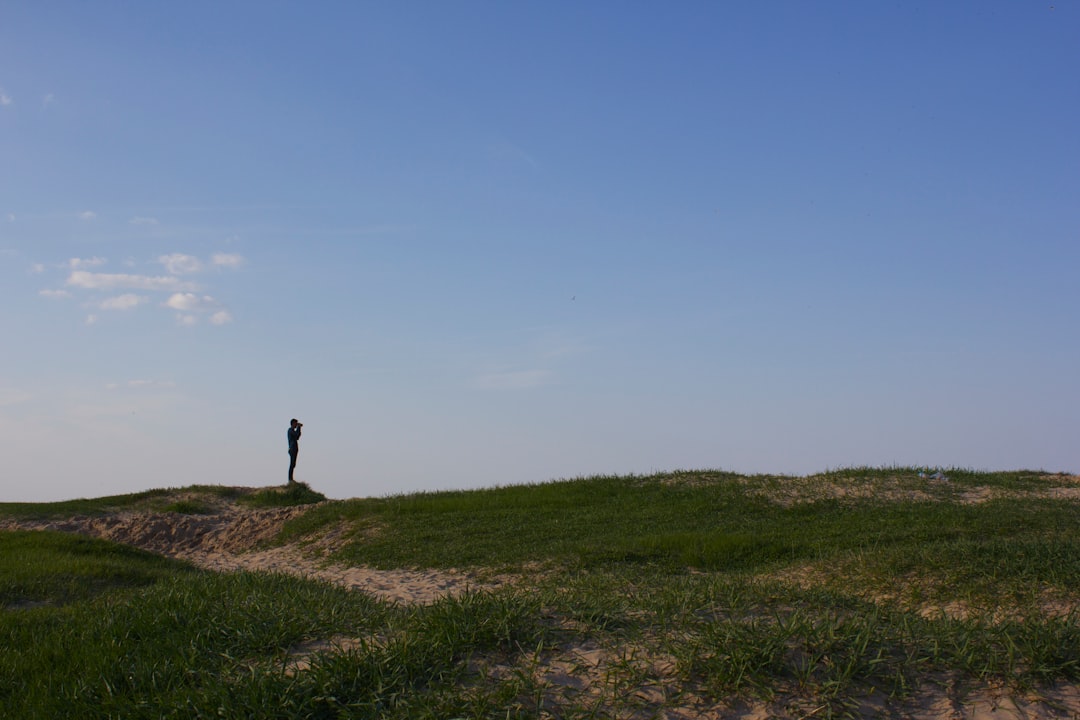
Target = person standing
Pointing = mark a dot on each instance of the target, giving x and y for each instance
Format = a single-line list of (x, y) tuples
[(294, 445)]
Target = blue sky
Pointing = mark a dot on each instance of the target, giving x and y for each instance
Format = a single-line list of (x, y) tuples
[(482, 243)]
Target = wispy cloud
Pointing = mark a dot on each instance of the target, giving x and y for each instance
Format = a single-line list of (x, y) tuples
[(87, 215), (229, 260), (37, 268), (221, 317), (142, 385), (513, 380), (5, 99), (47, 100), (142, 221), (76, 263), (507, 152), (115, 281), (56, 294), (536, 364), (180, 264), (126, 301)]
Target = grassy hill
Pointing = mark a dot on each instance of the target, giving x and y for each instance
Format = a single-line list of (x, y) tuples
[(860, 593)]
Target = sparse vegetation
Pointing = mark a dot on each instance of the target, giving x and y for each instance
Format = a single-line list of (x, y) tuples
[(188, 507), (840, 595), (157, 500), (296, 493)]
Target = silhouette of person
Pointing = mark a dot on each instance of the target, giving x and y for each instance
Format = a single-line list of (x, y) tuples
[(294, 445)]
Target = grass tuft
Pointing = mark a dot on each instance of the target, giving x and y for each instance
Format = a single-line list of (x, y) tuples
[(296, 493)]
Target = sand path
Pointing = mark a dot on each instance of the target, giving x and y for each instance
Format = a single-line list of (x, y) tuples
[(234, 538)]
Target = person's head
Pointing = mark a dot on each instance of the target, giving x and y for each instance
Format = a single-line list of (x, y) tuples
[(293, 423)]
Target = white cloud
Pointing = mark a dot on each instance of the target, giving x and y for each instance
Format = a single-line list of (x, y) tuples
[(227, 260), (37, 268), (514, 380), (88, 215), (190, 305), (180, 264), (113, 281), (5, 99), (76, 263), (142, 221), (11, 217), (182, 301), (190, 302), (181, 294), (221, 317), (122, 302), (48, 100)]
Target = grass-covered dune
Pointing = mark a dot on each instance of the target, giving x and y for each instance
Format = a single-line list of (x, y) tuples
[(861, 593)]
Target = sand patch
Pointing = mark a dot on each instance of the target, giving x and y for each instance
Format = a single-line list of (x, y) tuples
[(791, 491), (234, 538), (301, 655)]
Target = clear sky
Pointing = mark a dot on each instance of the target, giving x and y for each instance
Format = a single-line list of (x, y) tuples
[(481, 243)]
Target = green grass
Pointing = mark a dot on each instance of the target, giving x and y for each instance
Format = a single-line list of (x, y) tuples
[(296, 493), (188, 507), (199, 644), (148, 500), (54, 569), (83, 506), (707, 520), (193, 500), (831, 595)]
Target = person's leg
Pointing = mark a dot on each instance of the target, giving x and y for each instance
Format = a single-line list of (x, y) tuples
[(292, 465)]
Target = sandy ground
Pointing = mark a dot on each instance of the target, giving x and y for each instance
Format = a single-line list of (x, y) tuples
[(233, 537)]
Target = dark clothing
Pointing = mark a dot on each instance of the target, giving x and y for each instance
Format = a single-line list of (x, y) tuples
[(294, 449)]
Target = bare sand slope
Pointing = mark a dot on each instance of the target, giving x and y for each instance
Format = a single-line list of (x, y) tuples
[(234, 537)]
